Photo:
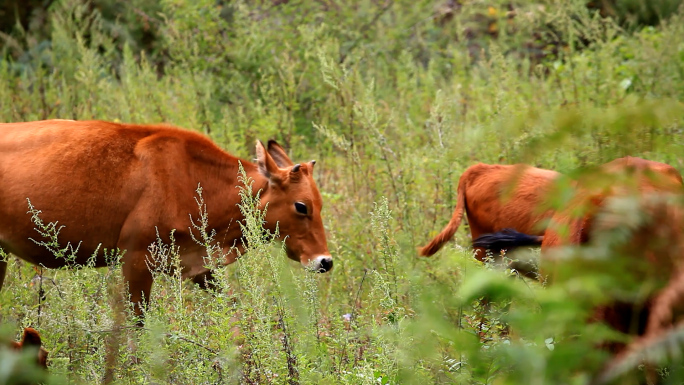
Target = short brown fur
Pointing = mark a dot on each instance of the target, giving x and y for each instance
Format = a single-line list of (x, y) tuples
[(483, 195), (651, 177), (650, 183), (655, 246), (115, 185)]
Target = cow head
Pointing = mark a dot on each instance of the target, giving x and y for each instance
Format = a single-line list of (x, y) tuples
[(295, 204)]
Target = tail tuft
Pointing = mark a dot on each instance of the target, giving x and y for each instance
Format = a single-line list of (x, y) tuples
[(506, 239), (437, 243)]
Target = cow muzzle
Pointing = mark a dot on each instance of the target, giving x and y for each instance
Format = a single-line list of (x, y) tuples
[(321, 264)]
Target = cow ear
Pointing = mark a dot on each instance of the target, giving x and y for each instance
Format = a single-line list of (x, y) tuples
[(267, 166), (279, 155)]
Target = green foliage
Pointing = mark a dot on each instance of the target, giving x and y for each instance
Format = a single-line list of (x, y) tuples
[(394, 105)]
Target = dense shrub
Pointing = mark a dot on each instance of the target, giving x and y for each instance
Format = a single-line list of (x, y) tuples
[(394, 104)]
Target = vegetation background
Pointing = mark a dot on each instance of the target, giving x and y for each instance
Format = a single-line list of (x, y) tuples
[(394, 99)]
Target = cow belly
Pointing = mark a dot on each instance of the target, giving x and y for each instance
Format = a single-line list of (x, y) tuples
[(18, 235)]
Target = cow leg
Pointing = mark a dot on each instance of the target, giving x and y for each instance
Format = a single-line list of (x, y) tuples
[(475, 232), (139, 280), (206, 281), (481, 255), (485, 305), (3, 271), (526, 269)]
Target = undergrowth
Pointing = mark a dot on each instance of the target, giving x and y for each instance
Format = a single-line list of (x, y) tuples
[(394, 103)]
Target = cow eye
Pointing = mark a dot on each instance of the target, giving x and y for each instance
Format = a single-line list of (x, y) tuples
[(301, 208)]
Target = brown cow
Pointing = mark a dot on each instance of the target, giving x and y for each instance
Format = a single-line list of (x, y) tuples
[(596, 210), (497, 197), (567, 227), (114, 185), (648, 177), (31, 340)]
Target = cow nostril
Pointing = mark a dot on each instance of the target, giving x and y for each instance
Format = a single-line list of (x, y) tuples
[(326, 264)]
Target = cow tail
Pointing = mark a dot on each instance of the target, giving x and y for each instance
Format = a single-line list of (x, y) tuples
[(448, 232)]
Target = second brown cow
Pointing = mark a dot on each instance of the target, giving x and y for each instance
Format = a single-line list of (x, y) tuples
[(627, 210), (497, 197)]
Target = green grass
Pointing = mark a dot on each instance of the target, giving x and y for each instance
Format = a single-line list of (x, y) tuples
[(393, 106)]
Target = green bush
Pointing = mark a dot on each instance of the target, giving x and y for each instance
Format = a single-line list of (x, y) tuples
[(394, 106)]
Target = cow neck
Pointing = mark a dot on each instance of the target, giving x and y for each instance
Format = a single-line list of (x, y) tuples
[(260, 183), (222, 167)]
